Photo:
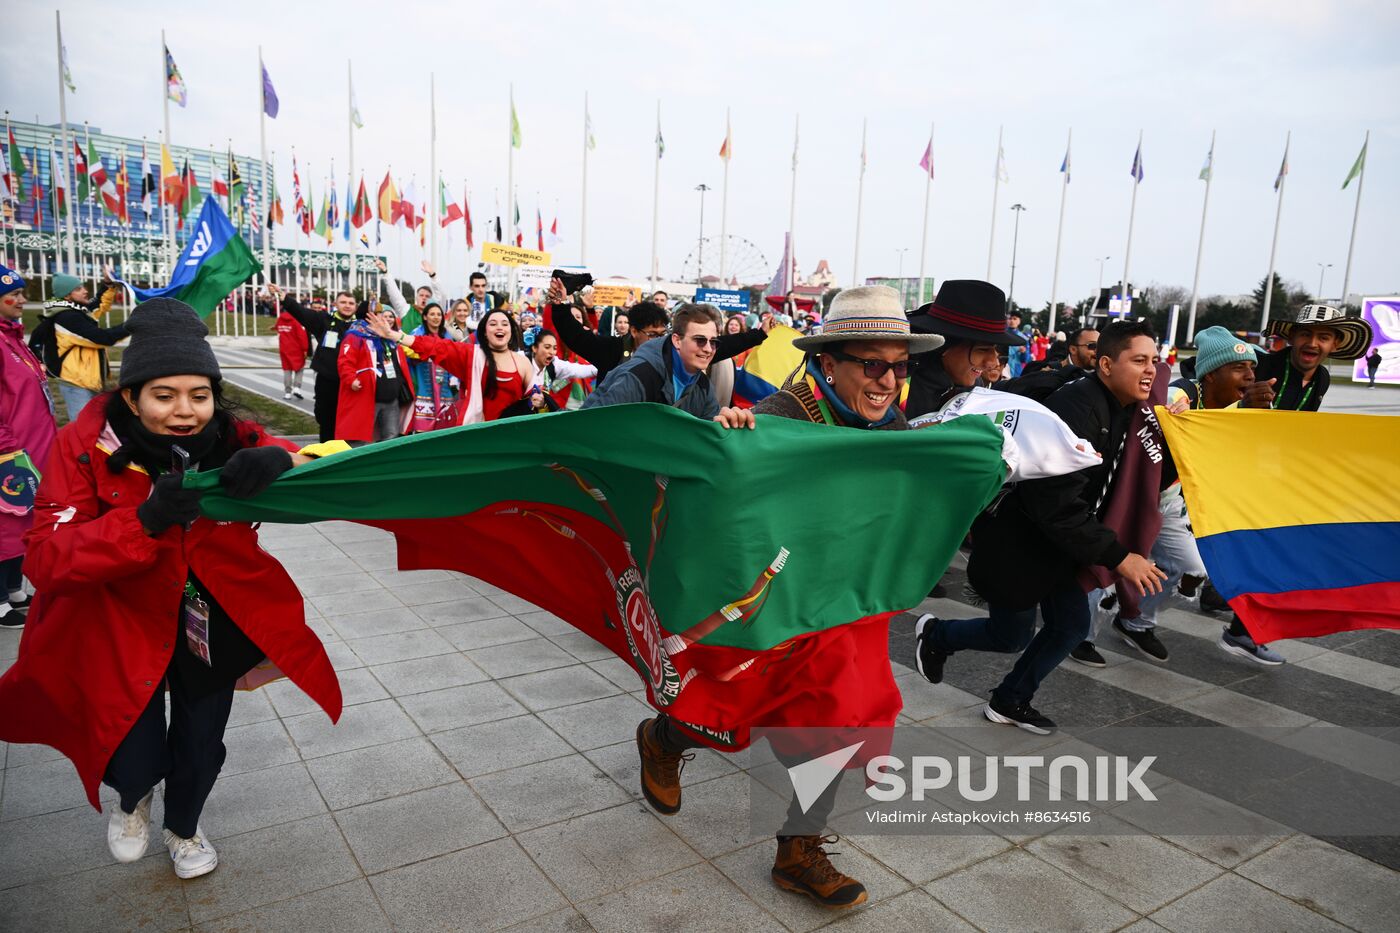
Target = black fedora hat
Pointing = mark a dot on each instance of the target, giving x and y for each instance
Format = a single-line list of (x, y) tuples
[(967, 309)]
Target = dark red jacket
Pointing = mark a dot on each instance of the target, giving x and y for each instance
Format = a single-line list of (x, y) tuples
[(103, 625)]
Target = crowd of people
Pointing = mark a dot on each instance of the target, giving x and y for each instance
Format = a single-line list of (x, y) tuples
[(134, 589)]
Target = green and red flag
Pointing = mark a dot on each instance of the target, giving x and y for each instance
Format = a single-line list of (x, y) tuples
[(622, 522)]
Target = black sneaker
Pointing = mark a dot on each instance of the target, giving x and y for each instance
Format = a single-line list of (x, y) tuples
[(928, 658), (11, 617), (1022, 714), (1211, 600), (1146, 642), (22, 603), (1085, 653)]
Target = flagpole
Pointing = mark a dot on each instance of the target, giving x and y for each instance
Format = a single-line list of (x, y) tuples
[(165, 104), (433, 205), (266, 186), (1059, 239), (510, 184), (655, 195), (583, 214), (1200, 245), (860, 203), (63, 163), (792, 207), (1273, 247), (1356, 216), (996, 188), (724, 203), (928, 189), (1132, 212)]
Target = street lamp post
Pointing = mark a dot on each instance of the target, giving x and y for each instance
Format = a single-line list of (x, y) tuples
[(700, 248), (1322, 268), (1015, 234), (902, 296)]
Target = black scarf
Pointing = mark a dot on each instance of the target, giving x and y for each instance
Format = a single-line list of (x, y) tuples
[(154, 452)]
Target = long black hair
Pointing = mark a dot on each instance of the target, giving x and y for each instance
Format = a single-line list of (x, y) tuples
[(489, 390)]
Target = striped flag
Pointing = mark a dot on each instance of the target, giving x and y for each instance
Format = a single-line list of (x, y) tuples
[(448, 210)]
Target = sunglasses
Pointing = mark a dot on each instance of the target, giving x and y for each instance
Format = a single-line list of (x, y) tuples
[(1088, 346), (874, 369), (655, 332), (701, 342)]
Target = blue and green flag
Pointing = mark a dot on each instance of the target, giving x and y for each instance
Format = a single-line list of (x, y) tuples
[(215, 261)]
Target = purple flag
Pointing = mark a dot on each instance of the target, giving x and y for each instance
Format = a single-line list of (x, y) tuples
[(1137, 163), (926, 163), (269, 96)]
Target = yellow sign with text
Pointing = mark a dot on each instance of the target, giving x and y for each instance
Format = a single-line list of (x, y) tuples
[(615, 296), (503, 254)]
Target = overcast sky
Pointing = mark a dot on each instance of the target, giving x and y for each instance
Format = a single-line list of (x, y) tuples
[(1249, 69)]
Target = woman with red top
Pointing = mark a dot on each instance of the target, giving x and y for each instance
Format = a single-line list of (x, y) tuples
[(494, 373)]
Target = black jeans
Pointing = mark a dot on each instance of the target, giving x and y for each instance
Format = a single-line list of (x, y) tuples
[(327, 397), (674, 740), (1065, 612), (187, 757), (12, 575)]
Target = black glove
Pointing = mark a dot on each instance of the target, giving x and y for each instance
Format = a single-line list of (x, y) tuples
[(169, 504), (251, 470)]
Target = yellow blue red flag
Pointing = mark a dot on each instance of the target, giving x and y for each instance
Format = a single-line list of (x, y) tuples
[(1296, 514)]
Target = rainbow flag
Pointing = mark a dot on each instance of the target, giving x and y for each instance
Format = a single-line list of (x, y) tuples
[(766, 367), (1297, 515)]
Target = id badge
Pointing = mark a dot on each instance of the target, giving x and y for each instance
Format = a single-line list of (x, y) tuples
[(194, 612), (331, 339)]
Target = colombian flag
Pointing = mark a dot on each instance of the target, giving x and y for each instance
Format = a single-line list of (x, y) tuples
[(1297, 515), (766, 367)]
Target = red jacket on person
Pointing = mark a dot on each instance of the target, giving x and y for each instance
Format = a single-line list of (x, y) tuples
[(102, 628), (354, 411), (292, 342)]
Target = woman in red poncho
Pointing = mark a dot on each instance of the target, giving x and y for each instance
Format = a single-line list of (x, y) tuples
[(292, 345)]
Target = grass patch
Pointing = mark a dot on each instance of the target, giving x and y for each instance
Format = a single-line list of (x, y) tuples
[(270, 413)]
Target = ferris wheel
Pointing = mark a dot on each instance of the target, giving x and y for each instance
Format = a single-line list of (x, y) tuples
[(744, 262)]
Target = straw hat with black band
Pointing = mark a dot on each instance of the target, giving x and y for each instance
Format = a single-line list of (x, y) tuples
[(967, 309), (1353, 334)]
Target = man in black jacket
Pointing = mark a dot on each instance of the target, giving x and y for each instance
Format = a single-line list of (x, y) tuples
[(1298, 373), (326, 329), (1029, 551), (646, 320)]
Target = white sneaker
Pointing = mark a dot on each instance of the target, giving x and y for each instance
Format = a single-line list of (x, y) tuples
[(191, 857), (297, 393), (286, 395), (128, 833)]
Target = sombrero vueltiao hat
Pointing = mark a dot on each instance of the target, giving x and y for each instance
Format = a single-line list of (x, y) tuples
[(967, 309), (1353, 334), (869, 312)]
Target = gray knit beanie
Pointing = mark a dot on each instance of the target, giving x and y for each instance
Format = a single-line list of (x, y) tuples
[(167, 339)]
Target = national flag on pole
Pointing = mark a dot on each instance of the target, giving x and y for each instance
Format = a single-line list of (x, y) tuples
[(36, 191), (467, 215), (588, 131), (298, 202), (406, 208), (174, 84), (1136, 170), (236, 188), (96, 171), (388, 198), (220, 184), (1292, 564), (80, 172), (323, 227), (926, 163), (333, 211), (539, 230), (1002, 174), (1282, 170), (214, 262), (191, 183), (1064, 165), (101, 183), (355, 110), (448, 209), (1356, 167), (514, 126), (123, 187), (862, 156), (18, 166), (59, 173), (349, 208), (362, 212), (171, 186), (725, 152), (764, 623), (553, 239), (275, 214), (254, 224), (364, 237), (660, 140), (67, 72), (270, 103), (149, 182), (519, 236), (308, 216)]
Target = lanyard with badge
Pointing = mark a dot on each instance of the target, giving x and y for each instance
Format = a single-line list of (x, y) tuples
[(194, 610)]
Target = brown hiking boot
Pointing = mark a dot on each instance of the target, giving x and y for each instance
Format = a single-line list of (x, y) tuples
[(661, 770), (802, 866)]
